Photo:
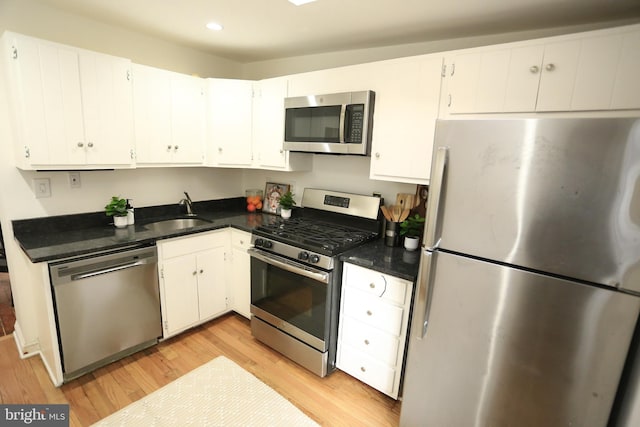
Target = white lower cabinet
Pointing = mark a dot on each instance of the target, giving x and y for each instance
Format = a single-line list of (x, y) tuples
[(193, 279), (240, 286), (372, 333)]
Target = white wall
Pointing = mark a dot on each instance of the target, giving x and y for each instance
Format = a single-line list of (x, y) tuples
[(340, 173)]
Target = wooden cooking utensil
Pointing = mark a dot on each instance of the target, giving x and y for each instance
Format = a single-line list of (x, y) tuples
[(386, 213), (396, 211), (404, 214)]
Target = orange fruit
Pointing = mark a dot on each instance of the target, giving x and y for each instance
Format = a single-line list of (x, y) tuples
[(251, 208), (259, 205)]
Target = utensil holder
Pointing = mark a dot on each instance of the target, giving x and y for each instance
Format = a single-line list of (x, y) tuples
[(392, 233)]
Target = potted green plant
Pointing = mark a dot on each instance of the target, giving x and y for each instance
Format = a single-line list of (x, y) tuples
[(411, 228), (117, 208), (286, 203)]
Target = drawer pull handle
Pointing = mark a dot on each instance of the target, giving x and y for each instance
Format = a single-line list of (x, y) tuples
[(201, 271), (195, 272), (366, 342), (363, 369), (372, 285), (369, 313)]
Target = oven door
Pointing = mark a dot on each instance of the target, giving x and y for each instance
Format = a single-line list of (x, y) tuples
[(292, 297)]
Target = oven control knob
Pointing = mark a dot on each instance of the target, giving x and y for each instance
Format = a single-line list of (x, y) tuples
[(267, 244), (258, 242), (303, 255), (314, 259)]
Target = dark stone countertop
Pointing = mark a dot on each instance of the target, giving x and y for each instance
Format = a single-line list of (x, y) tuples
[(396, 261), (57, 237)]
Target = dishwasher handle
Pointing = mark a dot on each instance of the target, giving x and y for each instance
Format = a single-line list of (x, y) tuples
[(81, 276)]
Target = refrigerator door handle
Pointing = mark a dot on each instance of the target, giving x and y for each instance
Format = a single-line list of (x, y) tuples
[(423, 298), (433, 207)]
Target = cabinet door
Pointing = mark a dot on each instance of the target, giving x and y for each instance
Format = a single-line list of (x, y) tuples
[(152, 112), (212, 293), (595, 74), (229, 118), (523, 78), (107, 102), (180, 287), (558, 76), (463, 74), (187, 119), (241, 273), (626, 90), (47, 102), (268, 131), (405, 113)]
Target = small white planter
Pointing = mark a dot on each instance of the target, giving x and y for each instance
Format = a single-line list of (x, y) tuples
[(285, 213), (120, 221), (411, 243)]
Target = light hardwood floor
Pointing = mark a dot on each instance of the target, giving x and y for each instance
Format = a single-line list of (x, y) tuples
[(336, 400)]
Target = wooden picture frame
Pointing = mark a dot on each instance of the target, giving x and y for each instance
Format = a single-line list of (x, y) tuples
[(272, 193)]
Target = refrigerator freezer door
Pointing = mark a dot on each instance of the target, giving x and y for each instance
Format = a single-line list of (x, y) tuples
[(507, 347), (555, 195)]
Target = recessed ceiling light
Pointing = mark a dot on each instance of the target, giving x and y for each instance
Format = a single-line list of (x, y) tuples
[(214, 26), (300, 2)]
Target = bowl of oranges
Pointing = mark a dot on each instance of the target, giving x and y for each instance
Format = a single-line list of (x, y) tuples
[(254, 200)]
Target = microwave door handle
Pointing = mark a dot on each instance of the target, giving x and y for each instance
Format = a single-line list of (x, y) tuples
[(343, 114)]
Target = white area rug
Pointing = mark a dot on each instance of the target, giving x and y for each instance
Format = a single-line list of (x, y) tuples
[(219, 393)]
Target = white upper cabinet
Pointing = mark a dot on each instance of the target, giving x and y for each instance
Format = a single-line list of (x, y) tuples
[(229, 120), (170, 117), (71, 108), (268, 129), (405, 113), (581, 72)]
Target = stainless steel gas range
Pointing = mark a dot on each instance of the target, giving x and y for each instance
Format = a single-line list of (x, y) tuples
[(296, 274)]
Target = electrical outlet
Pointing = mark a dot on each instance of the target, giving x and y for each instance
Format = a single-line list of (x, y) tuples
[(74, 179), (41, 187)]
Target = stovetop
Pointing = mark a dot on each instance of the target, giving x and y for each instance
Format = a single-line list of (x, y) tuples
[(327, 238)]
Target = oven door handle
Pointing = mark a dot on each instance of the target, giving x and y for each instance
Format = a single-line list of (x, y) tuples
[(274, 260)]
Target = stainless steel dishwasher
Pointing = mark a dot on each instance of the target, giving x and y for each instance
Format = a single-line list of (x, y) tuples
[(107, 307)]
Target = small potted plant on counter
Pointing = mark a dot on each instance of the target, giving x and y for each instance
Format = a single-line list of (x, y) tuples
[(117, 208), (411, 228), (286, 203)]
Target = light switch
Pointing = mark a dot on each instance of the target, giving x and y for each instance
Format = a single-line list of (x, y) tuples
[(41, 187)]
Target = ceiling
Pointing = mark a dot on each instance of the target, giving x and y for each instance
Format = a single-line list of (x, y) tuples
[(256, 30)]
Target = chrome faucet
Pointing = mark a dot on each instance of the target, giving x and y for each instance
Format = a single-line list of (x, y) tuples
[(187, 201)]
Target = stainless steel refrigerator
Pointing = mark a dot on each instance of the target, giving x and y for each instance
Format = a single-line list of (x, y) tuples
[(529, 283)]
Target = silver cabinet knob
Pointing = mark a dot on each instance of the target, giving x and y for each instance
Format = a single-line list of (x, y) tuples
[(175, 147), (194, 272), (369, 313), (201, 271), (372, 285), (90, 145), (168, 147), (363, 369), (219, 149), (377, 155), (366, 342), (534, 69), (80, 144), (550, 67)]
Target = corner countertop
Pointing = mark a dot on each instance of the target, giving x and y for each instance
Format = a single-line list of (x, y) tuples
[(375, 255), (58, 237)]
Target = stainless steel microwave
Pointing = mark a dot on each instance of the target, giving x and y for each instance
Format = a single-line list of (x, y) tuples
[(338, 123)]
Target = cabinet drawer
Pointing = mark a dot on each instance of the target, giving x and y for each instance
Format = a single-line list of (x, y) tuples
[(366, 369), (194, 243), (369, 340), (377, 284), (372, 311), (240, 239)]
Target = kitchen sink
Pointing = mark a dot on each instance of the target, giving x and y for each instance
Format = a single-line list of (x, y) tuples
[(174, 224)]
